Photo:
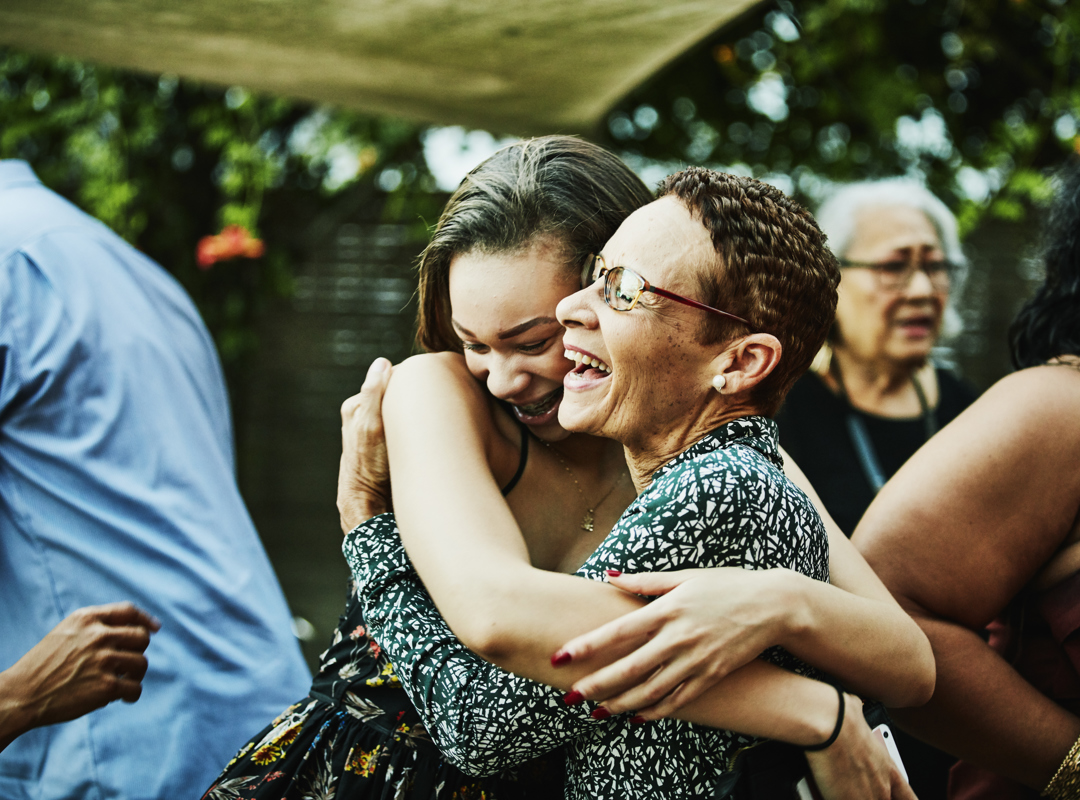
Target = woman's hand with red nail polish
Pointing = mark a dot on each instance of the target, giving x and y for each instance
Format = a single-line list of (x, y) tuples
[(706, 624)]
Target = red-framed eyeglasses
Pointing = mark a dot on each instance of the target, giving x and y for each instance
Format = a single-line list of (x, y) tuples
[(623, 288)]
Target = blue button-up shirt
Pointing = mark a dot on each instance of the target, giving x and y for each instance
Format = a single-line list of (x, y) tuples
[(117, 483)]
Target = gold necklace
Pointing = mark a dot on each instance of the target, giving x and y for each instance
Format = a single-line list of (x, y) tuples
[(587, 522)]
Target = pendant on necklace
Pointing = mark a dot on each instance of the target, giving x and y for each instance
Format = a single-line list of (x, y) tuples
[(587, 521)]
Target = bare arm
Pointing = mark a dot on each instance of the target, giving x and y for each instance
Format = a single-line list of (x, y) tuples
[(93, 657), (855, 629), (956, 534), (485, 720), (477, 562)]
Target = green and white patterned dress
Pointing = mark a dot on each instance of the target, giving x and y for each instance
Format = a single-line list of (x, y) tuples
[(724, 502)]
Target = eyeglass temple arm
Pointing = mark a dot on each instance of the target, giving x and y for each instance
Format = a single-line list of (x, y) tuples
[(678, 298)]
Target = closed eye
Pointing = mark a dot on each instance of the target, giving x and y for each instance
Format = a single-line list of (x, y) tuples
[(535, 347)]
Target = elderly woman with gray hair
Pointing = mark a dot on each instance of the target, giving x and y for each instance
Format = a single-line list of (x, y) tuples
[(874, 395)]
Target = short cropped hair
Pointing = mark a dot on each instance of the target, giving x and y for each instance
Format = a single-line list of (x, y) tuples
[(772, 268), (562, 189)]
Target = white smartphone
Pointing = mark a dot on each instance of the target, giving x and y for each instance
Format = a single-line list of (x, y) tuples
[(803, 791), (885, 733)]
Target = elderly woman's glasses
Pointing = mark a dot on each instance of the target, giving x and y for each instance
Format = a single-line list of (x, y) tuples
[(897, 275), (623, 288)]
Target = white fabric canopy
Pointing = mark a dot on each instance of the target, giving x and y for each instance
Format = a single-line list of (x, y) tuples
[(505, 65)]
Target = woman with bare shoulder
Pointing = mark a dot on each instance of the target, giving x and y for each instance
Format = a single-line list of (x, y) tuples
[(982, 527)]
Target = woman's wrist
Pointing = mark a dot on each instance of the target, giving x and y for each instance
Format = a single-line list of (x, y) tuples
[(791, 614), (837, 726), (359, 508), (817, 715)]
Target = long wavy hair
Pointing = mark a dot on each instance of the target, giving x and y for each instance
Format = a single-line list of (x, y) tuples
[(1049, 323)]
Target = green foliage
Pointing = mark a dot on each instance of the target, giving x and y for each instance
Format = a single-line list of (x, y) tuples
[(979, 98), (165, 162)]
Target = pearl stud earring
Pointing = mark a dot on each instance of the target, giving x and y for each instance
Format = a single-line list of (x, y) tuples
[(719, 382)]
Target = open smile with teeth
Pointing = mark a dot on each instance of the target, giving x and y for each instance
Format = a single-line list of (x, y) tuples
[(540, 407), (582, 360)]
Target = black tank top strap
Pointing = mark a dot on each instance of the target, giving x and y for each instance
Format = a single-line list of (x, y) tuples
[(522, 461)]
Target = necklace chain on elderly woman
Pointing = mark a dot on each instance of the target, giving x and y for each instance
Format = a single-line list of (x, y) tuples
[(588, 521), (860, 437)]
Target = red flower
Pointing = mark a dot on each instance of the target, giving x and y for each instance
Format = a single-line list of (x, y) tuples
[(234, 241)]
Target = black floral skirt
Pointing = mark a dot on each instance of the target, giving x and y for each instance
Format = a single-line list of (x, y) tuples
[(321, 750)]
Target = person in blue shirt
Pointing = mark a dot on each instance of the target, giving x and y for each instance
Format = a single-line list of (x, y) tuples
[(117, 484)]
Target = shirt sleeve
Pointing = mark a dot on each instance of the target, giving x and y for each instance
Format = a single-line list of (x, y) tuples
[(483, 719), (23, 297)]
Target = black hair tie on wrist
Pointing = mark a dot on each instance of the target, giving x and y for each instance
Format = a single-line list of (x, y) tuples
[(814, 748)]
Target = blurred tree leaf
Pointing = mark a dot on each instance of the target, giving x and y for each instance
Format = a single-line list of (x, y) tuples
[(977, 98), (165, 162)]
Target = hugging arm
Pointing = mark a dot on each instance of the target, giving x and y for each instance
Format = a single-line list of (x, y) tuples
[(477, 568), (483, 719), (997, 494), (759, 699), (709, 622), (486, 719)]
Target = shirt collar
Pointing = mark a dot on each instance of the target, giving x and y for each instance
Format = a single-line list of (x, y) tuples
[(15, 173), (757, 432)]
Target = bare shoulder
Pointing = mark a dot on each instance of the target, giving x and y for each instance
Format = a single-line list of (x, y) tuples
[(440, 418), (1045, 392), (432, 365), (435, 398), (1034, 411), (429, 376), (986, 502)]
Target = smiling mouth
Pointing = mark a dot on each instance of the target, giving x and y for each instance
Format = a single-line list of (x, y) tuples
[(586, 366), (540, 408)]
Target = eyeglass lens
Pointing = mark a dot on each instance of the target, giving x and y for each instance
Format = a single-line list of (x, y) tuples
[(896, 274), (589, 270), (622, 288)]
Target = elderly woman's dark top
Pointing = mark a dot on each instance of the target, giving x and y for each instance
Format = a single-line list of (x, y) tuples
[(723, 502), (814, 430)]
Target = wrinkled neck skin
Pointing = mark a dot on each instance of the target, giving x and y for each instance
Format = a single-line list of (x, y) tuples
[(657, 444), (873, 380), (882, 386)]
